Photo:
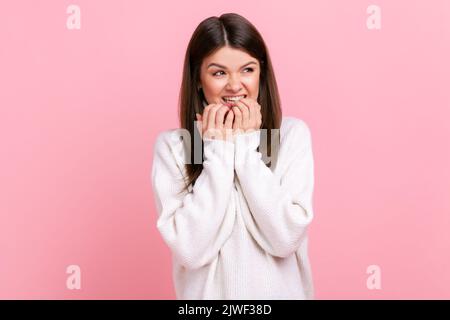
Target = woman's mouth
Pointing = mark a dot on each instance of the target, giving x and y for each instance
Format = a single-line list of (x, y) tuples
[(230, 100)]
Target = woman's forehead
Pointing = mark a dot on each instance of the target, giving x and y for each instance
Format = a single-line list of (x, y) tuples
[(229, 57)]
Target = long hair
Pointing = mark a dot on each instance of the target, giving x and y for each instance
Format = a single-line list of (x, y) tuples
[(213, 33)]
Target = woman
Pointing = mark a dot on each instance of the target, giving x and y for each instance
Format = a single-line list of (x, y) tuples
[(236, 224)]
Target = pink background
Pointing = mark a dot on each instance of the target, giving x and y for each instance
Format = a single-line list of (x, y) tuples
[(80, 111)]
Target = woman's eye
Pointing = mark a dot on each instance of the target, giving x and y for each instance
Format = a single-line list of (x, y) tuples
[(216, 73)]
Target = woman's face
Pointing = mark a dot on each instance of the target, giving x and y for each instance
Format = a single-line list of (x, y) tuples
[(229, 72)]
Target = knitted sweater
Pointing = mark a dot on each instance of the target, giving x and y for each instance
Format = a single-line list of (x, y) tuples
[(241, 231)]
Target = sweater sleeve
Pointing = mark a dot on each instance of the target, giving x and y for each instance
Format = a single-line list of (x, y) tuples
[(281, 204), (194, 224)]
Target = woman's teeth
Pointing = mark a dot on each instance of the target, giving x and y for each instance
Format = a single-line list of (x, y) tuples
[(232, 99)]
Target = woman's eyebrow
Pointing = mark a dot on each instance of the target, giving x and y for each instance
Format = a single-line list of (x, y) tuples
[(220, 66)]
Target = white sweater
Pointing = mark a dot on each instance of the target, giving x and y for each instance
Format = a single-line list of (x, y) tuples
[(241, 231)]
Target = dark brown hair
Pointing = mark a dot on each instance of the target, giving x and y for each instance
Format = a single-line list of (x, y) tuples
[(231, 30)]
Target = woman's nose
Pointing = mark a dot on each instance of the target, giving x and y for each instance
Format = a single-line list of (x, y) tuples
[(234, 84)]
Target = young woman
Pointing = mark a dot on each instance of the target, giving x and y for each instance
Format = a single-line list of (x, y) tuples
[(235, 221)]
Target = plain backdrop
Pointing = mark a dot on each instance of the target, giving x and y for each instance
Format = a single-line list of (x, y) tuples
[(80, 110)]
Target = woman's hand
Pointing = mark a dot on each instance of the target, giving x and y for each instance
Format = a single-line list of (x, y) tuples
[(247, 114), (213, 123)]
